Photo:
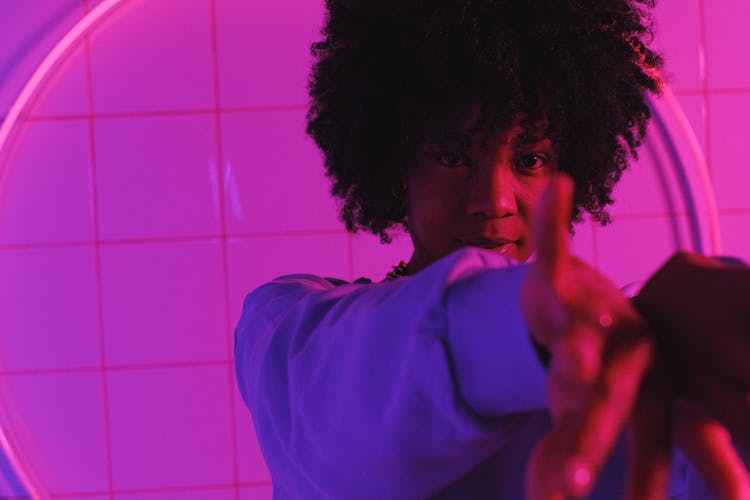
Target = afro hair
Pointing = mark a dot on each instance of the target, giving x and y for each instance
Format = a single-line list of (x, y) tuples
[(387, 75)]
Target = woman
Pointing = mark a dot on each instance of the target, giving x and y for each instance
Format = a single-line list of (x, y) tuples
[(449, 118)]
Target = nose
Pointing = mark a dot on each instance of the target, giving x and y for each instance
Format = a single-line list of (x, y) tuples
[(493, 192)]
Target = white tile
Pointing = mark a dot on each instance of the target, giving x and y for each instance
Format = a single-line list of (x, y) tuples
[(170, 428), (373, 260), (48, 309), (58, 420), (677, 37), (157, 176), (274, 175), (264, 50), (250, 461), (730, 122), (735, 230), (726, 43), (694, 108), (163, 303), (255, 261), (46, 194), (650, 185), (632, 249), (154, 55)]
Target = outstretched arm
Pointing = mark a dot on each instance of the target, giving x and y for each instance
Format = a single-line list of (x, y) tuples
[(606, 372), (391, 390)]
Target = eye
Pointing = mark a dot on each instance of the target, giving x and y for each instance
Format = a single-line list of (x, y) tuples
[(533, 161), (452, 160)]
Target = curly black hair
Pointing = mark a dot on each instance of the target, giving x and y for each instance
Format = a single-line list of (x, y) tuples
[(388, 75)]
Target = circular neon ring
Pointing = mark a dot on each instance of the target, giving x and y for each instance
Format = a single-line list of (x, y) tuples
[(71, 39)]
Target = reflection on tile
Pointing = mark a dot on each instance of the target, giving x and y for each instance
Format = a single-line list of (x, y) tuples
[(278, 177)]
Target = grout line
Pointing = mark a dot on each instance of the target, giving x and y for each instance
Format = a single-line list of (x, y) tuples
[(224, 247), (168, 113), (171, 239), (116, 368), (713, 91), (98, 270), (649, 215)]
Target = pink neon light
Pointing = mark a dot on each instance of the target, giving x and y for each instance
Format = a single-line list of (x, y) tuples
[(717, 246), (63, 47), (29, 91)]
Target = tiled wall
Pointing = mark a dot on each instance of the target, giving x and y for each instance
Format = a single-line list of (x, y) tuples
[(164, 173), (705, 44)]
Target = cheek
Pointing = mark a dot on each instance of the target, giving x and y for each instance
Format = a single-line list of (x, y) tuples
[(433, 210)]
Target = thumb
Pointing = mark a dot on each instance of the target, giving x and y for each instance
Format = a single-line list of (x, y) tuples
[(550, 224)]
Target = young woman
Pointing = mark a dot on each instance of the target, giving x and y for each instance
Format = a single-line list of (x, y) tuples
[(450, 118)]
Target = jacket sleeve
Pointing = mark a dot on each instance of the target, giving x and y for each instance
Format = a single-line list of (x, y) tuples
[(390, 390)]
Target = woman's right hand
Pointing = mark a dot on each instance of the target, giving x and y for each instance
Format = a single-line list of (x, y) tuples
[(604, 375)]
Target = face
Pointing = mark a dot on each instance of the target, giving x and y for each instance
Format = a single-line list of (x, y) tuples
[(463, 193)]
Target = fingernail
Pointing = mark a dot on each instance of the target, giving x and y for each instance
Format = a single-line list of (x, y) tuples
[(578, 476)]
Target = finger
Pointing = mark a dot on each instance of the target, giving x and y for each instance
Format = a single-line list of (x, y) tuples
[(610, 405), (650, 439), (577, 354), (540, 483), (708, 446), (550, 225)]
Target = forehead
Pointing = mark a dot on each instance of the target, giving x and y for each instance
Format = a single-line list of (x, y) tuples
[(477, 126)]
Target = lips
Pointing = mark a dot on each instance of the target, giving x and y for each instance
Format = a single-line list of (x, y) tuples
[(488, 243)]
